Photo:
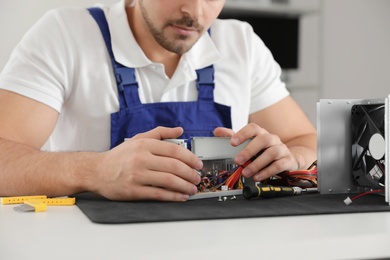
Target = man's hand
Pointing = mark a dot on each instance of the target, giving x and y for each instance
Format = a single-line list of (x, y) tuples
[(146, 168), (275, 157), (286, 138)]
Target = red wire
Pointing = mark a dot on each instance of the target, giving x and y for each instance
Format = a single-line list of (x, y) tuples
[(304, 172), (365, 193)]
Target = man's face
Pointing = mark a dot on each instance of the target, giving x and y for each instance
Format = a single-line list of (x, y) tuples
[(176, 25)]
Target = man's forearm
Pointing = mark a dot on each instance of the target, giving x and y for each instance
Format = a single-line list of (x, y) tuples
[(26, 171)]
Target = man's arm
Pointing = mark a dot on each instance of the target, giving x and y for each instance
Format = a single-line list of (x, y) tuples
[(287, 120), (26, 125), (142, 168), (285, 135)]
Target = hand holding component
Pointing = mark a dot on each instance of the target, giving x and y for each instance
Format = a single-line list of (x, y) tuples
[(144, 167), (275, 158)]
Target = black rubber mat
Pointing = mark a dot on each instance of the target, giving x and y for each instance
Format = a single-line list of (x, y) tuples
[(100, 210)]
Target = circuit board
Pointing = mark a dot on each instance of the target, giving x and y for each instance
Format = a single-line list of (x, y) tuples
[(220, 176)]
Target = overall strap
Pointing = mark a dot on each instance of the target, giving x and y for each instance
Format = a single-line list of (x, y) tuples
[(125, 77), (205, 84)]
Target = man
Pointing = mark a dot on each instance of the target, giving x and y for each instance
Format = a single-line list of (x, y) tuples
[(81, 81)]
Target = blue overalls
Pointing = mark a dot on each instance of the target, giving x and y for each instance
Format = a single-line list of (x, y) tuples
[(198, 118)]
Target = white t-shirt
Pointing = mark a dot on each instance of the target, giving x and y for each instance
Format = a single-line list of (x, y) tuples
[(63, 62)]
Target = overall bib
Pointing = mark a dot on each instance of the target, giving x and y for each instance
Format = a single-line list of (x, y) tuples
[(197, 118)]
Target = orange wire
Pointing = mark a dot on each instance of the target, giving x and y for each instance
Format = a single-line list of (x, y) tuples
[(232, 180)]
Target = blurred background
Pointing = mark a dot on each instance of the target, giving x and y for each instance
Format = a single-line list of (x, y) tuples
[(328, 49)]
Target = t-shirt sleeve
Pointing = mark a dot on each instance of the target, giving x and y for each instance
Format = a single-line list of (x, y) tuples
[(267, 86), (38, 65)]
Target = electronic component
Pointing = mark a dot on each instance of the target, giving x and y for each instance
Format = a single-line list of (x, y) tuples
[(353, 146), (220, 176), (181, 142), (368, 145), (349, 200)]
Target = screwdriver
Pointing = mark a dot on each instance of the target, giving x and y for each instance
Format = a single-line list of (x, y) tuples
[(268, 191)]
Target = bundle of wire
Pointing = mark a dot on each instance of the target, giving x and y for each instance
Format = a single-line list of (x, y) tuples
[(299, 178), (232, 178), (229, 178)]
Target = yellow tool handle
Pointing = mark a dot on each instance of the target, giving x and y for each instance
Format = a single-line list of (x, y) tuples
[(39, 199), (37, 205), (56, 201), (20, 199)]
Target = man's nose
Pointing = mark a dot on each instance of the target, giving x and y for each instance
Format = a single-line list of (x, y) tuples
[(194, 8)]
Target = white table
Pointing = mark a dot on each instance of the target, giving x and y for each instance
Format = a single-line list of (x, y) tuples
[(66, 233)]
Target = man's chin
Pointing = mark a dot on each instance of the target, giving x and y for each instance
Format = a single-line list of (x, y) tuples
[(179, 48)]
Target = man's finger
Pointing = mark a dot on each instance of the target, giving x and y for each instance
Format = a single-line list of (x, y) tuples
[(223, 132), (161, 133)]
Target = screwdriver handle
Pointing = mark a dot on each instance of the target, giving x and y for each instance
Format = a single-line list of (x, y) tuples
[(269, 191)]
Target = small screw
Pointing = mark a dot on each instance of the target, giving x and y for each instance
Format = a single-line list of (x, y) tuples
[(224, 198), (219, 199), (233, 198)]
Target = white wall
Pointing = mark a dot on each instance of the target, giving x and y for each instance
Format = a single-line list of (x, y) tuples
[(355, 49), (17, 16), (345, 53), (304, 82)]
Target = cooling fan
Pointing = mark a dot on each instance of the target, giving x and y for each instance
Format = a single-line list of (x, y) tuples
[(368, 145)]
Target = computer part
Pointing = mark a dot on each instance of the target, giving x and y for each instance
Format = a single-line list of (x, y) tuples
[(345, 162)]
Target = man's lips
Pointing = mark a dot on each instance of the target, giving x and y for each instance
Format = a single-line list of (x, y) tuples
[(184, 30)]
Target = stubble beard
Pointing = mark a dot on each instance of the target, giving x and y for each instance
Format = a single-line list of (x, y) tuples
[(179, 44)]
